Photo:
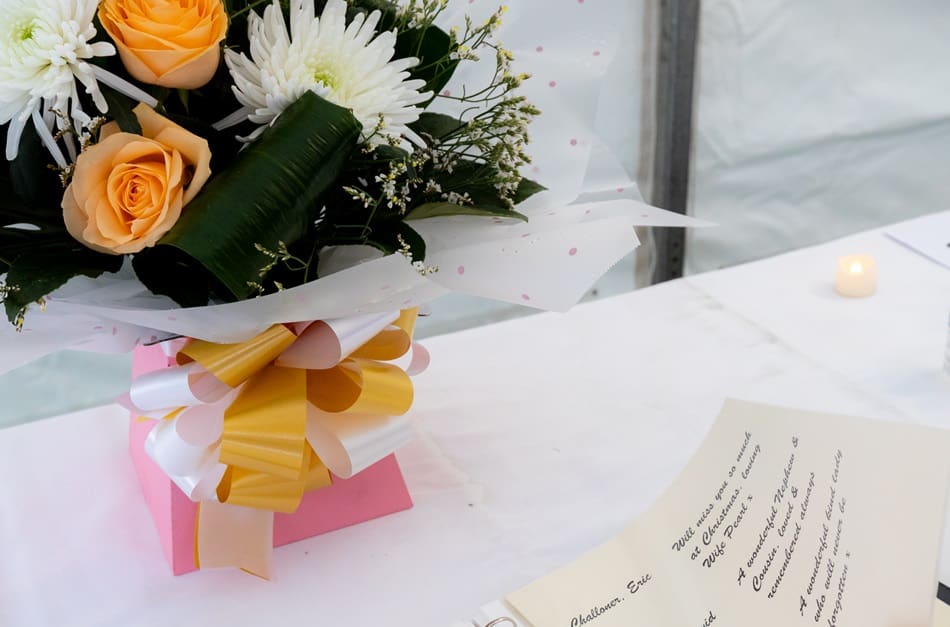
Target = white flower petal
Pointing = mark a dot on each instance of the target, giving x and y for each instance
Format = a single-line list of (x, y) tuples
[(349, 65), (45, 49)]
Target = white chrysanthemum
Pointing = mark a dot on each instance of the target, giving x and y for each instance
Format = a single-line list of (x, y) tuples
[(348, 65), (45, 46)]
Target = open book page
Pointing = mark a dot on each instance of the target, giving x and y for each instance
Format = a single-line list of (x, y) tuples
[(783, 517), (941, 615), (928, 235)]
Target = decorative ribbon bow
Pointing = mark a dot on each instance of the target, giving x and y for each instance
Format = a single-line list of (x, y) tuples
[(258, 424)]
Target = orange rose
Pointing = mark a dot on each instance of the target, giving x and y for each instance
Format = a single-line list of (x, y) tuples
[(128, 190), (172, 43)]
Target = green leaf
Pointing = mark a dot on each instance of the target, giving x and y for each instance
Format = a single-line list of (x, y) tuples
[(32, 180), (441, 209), (387, 239), (41, 270), (120, 110), (526, 189), (171, 272), (388, 10), (12, 208), (478, 181), (436, 125), (268, 195), (432, 46), (183, 96)]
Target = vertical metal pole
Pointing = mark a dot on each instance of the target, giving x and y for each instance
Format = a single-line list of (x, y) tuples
[(676, 60)]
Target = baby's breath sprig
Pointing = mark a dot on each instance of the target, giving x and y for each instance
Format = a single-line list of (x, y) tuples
[(496, 120), (406, 251), (419, 13), (20, 318), (6, 290), (281, 255)]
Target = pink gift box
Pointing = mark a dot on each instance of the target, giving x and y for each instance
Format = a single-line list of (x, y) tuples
[(377, 491)]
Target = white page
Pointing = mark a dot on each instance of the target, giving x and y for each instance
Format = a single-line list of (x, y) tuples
[(782, 518), (928, 236)]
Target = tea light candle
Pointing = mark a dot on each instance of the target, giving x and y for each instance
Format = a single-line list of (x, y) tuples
[(856, 276)]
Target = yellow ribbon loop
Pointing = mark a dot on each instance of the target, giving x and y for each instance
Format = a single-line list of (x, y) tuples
[(361, 386), (391, 343), (265, 428), (260, 490), (236, 363)]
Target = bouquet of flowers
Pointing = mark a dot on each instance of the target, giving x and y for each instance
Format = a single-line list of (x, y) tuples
[(262, 192), (128, 137)]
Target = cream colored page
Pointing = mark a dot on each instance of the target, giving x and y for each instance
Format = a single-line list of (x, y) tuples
[(941, 615), (782, 518)]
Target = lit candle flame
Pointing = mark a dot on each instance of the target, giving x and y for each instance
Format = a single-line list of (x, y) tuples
[(857, 268)]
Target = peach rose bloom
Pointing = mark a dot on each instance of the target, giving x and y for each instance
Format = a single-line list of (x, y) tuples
[(172, 43), (128, 190)]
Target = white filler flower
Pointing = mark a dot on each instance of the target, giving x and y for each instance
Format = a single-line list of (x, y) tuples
[(342, 63), (45, 46)]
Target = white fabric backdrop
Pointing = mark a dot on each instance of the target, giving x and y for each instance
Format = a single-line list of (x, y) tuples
[(814, 119)]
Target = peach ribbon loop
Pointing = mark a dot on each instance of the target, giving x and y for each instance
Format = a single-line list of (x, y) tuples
[(259, 423)]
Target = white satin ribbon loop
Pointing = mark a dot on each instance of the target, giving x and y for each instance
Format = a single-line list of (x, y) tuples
[(415, 361), (171, 347), (349, 444), (126, 401), (186, 448), (194, 469), (183, 386), (328, 342)]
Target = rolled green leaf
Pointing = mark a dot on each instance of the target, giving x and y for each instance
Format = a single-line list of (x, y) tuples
[(268, 195)]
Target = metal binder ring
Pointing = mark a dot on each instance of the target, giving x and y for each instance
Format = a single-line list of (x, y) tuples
[(501, 621)]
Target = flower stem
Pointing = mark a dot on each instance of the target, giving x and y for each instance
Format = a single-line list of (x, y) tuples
[(248, 8)]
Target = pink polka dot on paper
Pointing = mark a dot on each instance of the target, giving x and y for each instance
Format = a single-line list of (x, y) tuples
[(461, 270), (573, 142), (619, 190), (446, 93), (596, 53), (572, 252), (525, 297), (540, 48), (552, 84)]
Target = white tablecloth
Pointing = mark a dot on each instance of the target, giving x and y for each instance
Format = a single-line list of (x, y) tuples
[(538, 439)]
